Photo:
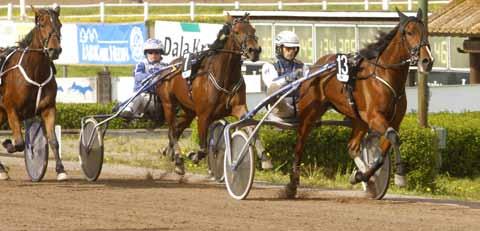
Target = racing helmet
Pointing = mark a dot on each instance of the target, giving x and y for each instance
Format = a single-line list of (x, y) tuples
[(153, 44), (286, 39)]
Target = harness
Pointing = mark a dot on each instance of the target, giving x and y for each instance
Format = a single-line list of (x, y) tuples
[(214, 50), (44, 49)]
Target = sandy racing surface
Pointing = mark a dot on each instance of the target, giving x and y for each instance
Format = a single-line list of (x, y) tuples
[(127, 198)]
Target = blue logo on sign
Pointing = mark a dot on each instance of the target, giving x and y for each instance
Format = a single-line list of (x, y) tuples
[(111, 43), (82, 90)]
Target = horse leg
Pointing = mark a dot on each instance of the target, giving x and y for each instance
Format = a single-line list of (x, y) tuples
[(203, 123), (14, 122), (379, 125), (183, 122), (308, 116), (358, 132), (3, 170), (48, 117), (173, 148)]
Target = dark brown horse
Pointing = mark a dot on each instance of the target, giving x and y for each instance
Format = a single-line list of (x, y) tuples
[(379, 92), (28, 85), (217, 91)]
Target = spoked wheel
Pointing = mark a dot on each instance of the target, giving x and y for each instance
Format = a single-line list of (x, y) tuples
[(239, 180), (381, 179), (216, 150), (91, 149), (36, 151)]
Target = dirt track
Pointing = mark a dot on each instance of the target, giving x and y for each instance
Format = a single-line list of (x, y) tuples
[(127, 198)]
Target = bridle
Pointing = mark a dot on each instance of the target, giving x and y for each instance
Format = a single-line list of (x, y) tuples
[(414, 52), (241, 44), (53, 32)]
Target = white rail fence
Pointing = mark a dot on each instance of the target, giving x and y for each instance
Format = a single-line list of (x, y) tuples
[(325, 5)]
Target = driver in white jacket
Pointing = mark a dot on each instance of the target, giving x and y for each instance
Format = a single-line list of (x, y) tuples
[(284, 70)]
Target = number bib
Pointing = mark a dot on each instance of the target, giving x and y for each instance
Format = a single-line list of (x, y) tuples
[(342, 68)]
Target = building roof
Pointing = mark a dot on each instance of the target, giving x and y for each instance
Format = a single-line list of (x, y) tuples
[(459, 18)]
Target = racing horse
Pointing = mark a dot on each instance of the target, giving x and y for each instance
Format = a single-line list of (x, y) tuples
[(377, 101), (216, 91), (28, 85)]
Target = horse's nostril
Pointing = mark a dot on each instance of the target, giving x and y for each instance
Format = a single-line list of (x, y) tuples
[(425, 61)]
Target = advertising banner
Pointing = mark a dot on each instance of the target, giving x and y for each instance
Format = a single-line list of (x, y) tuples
[(181, 38), (111, 43), (76, 90)]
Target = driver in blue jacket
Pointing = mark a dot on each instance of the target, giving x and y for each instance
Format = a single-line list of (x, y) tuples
[(152, 63)]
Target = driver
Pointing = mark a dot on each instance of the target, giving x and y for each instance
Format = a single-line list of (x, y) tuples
[(153, 50), (284, 70)]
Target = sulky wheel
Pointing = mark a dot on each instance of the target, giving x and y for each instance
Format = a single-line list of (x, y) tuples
[(36, 151), (381, 179), (239, 181), (91, 149), (216, 150)]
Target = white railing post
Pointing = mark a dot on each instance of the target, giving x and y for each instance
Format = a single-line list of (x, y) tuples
[(366, 4), (10, 11), (324, 5), (385, 4), (410, 5), (102, 12), (237, 5), (23, 13), (58, 134), (145, 11), (280, 5), (192, 10)]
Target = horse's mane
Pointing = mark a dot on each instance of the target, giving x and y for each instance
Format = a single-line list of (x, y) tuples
[(219, 43), (374, 49), (26, 40)]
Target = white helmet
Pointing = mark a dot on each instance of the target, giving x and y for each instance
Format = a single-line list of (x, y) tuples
[(153, 44), (287, 39)]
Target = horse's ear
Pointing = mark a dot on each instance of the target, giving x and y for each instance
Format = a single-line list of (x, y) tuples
[(36, 14), (34, 9), (419, 14), (57, 9), (402, 16), (228, 18), (246, 17)]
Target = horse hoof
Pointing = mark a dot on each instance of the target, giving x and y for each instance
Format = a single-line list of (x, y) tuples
[(191, 155), (371, 191), (354, 177), (62, 176), (7, 144), (400, 181), (4, 176), (179, 166)]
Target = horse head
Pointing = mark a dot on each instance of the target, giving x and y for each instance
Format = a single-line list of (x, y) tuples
[(243, 34), (48, 25), (414, 37)]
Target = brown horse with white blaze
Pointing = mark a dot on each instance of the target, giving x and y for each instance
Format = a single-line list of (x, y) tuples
[(378, 93), (28, 84), (217, 90)]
